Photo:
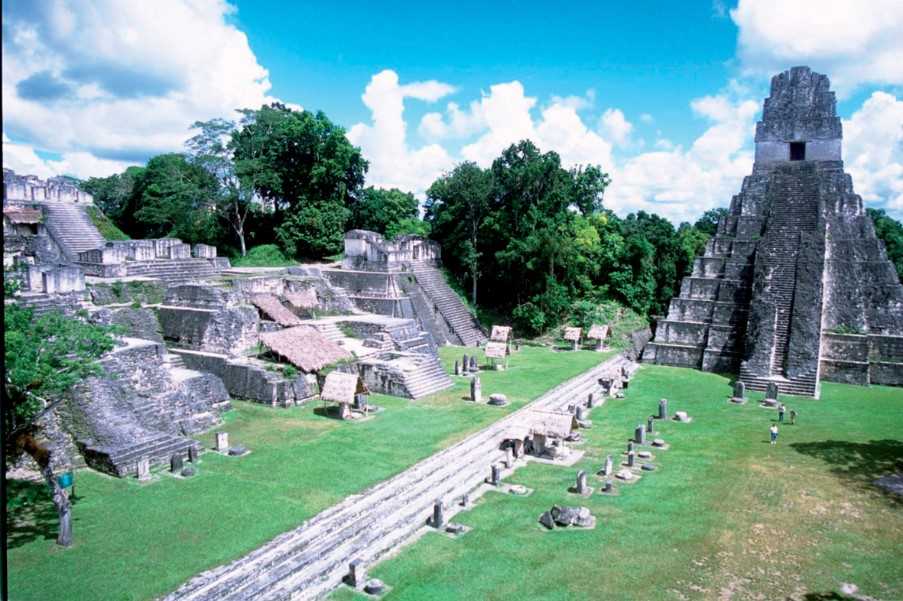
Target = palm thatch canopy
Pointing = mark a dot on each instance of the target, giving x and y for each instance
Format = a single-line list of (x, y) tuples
[(572, 334), (500, 333), (275, 310), (340, 387), (599, 332), (304, 347)]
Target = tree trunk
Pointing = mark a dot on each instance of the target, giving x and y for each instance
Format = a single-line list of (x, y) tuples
[(241, 238), (41, 455), (473, 294)]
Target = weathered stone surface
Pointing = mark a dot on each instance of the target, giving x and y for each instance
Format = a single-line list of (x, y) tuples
[(795, 258), (658, 442), (498, 399), (564, 516), (682, 416), (625, 475), (237, 450), (188, 471), (648, 467)]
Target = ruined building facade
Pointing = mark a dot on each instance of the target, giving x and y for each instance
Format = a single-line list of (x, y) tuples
[(795, 287)]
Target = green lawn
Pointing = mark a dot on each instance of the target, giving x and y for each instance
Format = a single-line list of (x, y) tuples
[(726, 516), (140, 541)]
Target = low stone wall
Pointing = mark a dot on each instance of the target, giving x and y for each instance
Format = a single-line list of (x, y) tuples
[(252, 382), (862, 359)]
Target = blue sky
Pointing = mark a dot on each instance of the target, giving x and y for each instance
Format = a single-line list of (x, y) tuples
[(663, 95)]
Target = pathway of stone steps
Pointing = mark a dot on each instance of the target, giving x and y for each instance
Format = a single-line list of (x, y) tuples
[(311, 560)]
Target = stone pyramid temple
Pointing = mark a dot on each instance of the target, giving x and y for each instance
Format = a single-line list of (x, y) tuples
[(794, 287)]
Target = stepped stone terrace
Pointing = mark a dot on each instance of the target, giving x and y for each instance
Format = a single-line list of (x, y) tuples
[(795, 286)]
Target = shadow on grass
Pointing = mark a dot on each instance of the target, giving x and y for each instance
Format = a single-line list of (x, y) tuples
[(832, 596), (30, 513), (859, 463)]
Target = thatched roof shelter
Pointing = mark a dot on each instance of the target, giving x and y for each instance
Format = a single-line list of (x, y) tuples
[(599, 332), (304, 347), (340, 387), (496, 350), (500, 333), (572, 334), (275, 310), (23, 215), (303, 299)]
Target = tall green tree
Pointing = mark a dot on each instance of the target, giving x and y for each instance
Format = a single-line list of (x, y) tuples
[(45, 358), (173, 197), (304, 167), (708, 223), (383, 211), (111, 194), (209, 149), (456, 207)]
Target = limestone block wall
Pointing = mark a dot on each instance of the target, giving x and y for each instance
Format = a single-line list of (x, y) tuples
[(228, 331), (250, 381)]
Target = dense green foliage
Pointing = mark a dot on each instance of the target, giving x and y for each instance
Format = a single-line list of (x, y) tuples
[(389, 212), (45, 356), (265, 255), (105, 225), (532, 239), (891, 232)]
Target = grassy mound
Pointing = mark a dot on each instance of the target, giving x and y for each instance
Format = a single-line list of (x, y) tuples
[(265, 255), (104, 225)]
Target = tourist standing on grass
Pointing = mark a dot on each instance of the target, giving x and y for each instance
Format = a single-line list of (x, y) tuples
[(781, 413), (773, 430), (793, 417)]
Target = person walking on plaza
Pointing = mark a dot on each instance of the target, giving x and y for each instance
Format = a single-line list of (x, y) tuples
[(773, 430), (781, 410)]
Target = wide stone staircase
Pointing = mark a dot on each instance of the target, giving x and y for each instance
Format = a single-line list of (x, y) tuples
[(72, 229), (429, 377), (311, 560), (123, 460), (173, 271), (794, 215), (449, 304)]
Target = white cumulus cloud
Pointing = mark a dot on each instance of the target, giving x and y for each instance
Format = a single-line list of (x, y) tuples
[(616, 126), (873, 151), (856, 43), (110, 83), (393, 164)]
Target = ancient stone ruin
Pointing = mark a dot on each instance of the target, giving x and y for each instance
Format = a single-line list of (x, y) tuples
[(794, 287)]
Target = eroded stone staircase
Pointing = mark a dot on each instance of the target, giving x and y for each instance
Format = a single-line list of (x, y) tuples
[(429, 377), (72, 229), (173, 271), (447, 303)]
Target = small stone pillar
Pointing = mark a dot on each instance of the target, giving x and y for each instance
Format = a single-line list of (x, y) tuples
[(631, 459), (771, 394), (222, 442), (518, 448), (175, 463), (193, 453), (609, 466), (465, 364), (607, 487), (576, 345), (476, 392), (457, 368), (509, 458), (739, 392), (144, 469), (357, 574), (649, 425), (438, 515), (591, 400), (581, 487), (582, 414), (360, 402), (473, 364), (495, 474), (630, 446), (639, 435), (663, 409), (465, 501)]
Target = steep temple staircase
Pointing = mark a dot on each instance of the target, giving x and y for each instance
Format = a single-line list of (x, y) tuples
[(72, 229), (459, 319), (792, 222)]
